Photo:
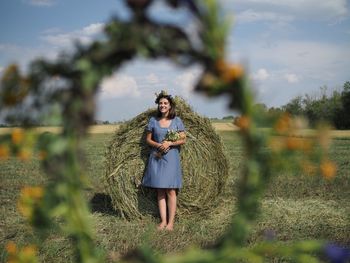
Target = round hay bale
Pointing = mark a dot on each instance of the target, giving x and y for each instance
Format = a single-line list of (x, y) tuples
[(204, 166)]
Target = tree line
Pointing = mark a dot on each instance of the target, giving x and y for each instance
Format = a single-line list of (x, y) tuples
[(332, 108)]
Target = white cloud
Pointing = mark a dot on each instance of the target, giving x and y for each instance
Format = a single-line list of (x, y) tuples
[(8, 47), (311, 57), (41, 2), (250, 16), (261, 75), (85, 35), (305, 9), (92, 29), (22, 55), (291, 78), (187, 80), (152, 78), (314, 60), (306, 64), (55, 41), (119, 85)]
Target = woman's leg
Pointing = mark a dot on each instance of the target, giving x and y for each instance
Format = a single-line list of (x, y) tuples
[(161, 196), (171, 193)]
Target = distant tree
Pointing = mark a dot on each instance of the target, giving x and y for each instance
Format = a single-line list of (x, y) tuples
[(261, 107), (334, 104), (295, 106), (274, 111), (323, 108), (333, 108), (342, 116), (229, 117), (262, 120), (346, 104)]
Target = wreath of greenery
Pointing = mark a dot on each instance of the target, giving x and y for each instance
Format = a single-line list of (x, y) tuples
[(63, 92)]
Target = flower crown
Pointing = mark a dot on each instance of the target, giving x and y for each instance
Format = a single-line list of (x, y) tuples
[(163, 94)]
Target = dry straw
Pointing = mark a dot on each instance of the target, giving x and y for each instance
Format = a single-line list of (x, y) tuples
[(204, 166)]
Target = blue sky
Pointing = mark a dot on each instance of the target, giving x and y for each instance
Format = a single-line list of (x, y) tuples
[(290, 47)]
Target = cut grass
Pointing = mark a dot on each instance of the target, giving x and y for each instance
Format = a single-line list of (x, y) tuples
[(294, 207)]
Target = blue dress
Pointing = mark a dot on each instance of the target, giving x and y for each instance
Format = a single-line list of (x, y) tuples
[(163, 172)]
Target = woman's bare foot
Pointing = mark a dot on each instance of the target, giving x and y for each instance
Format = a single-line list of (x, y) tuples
[(161, 226), (169, 227)]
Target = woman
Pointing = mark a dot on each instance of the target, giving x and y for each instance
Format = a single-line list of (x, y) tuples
[(164, 169)]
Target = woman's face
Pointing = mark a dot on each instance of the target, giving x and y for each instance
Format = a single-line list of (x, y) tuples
[(164, 105)]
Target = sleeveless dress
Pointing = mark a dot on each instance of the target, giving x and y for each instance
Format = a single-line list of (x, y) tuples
[(164, 171)]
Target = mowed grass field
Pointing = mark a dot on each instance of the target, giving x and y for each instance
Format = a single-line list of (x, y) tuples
[(295, 206)]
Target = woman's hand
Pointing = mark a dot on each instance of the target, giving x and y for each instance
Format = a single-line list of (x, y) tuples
[(165, 146)]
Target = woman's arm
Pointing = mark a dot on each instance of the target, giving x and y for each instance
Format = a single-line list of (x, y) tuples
[(164, 146), (150, 142)]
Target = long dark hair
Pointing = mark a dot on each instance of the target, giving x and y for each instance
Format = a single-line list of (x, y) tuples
[(172, 112)]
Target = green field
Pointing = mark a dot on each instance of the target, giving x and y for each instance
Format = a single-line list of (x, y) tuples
[(295, 206)]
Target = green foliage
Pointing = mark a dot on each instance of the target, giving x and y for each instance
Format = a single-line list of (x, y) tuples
[(333, 108), (64, 91), (295, 106), (229, 117), (342, 114)]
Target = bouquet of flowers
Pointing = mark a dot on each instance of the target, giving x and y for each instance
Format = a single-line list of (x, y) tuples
[(172, 136)]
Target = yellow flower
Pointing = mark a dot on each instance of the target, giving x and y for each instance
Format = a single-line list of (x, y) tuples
[(221, 65), (24, 154), (294, 143), (284, 123), (328, 169), (242, 122), (35, 192), (233, 72), (26, 254), (276, 144), (208, 79), (25, 209), (4, 152), (229, 72), (29, 197), (29, 251), (42, 155), (17, 136), (11, 247)]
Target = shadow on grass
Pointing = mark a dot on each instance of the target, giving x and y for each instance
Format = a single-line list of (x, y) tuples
[(102, 203)]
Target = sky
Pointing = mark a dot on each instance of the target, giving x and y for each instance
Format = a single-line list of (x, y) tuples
[(289, 48)]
